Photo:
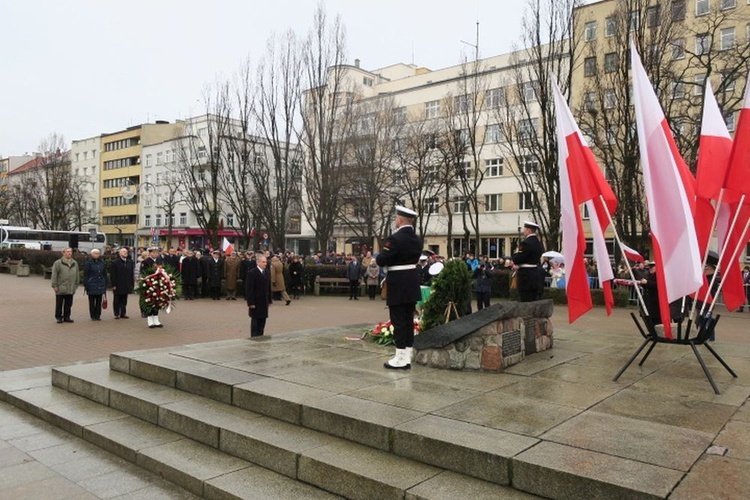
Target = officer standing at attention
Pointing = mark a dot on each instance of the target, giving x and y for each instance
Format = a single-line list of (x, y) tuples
[(400, 255), (529, 274)]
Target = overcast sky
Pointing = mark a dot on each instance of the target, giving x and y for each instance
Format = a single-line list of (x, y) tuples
[(83, 67)]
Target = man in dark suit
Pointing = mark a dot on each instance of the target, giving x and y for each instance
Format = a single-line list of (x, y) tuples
[(400, 255), (529, 274), (215, 273), (122, 278), (258, 295)]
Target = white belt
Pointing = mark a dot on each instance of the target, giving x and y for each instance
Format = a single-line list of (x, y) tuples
[(403, 267), (528, 265)]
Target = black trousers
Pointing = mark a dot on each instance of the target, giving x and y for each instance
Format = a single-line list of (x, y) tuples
[(188, 291), (402, 319), (95, 306), (63, 303), (371, 291), (353, 289), (215, 292), (257, 326), (120, 304), (483, 300)]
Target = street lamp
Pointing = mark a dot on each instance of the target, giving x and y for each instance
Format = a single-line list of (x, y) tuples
[(146, 190)]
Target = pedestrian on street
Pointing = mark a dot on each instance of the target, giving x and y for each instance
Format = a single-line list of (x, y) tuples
[(530, 278), (258, 295), (399, 255), (65, 281), (122, 278), (95, 283)]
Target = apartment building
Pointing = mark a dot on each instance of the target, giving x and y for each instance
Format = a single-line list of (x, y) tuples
[(120, 174), (84, 164)]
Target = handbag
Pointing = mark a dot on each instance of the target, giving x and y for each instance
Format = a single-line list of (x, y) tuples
[(104, 301)]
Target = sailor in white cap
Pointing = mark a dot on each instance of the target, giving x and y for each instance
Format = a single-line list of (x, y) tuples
[(528, 259), (400, 255)]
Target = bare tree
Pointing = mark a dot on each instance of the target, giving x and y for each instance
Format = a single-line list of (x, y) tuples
[(326, 123), (171, 192), (527, 121)]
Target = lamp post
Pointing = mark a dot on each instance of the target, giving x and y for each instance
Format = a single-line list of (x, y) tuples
[(145, 190)]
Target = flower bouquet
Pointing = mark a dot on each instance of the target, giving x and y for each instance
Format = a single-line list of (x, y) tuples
[(382, 333), (158, 290)]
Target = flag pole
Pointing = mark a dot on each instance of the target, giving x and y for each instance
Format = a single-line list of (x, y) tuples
[(735, 254), (625, 258)]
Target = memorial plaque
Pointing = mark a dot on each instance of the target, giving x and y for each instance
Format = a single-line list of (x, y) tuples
[(511, 343)]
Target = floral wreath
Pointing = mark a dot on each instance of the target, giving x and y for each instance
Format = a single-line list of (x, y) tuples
[(158, 289), (382, 333)]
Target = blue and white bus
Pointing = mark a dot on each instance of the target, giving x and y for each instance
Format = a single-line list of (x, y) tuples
[(43, 239)]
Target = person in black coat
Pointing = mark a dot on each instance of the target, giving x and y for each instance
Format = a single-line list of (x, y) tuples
[(204, 265), (246, 265), (95, 283), (400, 254), (122, 278), (354, 273), (651, 294), (482, 286), (530, 277), (190, 272), (296, 272), (258, 295), (214, 274)]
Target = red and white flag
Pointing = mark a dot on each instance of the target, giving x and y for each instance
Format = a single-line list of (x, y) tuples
[(581, 181), (631, 254), (227, 247), (670, 196)]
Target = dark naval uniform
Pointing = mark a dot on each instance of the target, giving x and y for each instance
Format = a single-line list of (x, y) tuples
[(529, 274), (400, 255)]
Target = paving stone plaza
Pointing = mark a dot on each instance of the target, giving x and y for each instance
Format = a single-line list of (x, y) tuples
[(111, 409)]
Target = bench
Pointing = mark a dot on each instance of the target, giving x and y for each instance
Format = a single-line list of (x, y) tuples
[(334, 284), (9, 266), (48, 273)]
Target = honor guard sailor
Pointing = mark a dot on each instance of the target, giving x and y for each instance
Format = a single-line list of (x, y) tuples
[(528, 259)]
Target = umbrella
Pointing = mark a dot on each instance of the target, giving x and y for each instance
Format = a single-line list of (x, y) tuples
[(552, 255)]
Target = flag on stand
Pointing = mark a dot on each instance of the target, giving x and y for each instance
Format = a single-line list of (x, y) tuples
[(737, 187), (581, 181), (631, 254), (227, 247), (670, 197)]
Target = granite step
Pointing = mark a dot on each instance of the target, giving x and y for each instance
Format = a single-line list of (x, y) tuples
[(296, 451)]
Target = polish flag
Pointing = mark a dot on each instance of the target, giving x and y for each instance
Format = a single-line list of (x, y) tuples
[(737, 184), (227, 247), (581, 181), (670, 197), (631, 254), (598, 221)]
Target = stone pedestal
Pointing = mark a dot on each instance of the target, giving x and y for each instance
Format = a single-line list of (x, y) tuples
[(23, 270)]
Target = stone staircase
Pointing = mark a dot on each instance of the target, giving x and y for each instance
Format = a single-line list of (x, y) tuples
[(224, 432)]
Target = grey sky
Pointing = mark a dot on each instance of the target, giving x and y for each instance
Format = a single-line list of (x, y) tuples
[(83, 67)]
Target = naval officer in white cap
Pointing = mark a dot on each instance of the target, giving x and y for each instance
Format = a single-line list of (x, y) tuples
[(400, 255), (528, 259)]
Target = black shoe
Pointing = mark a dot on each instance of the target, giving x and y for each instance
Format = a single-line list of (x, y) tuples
[(68, 320), (356, 298), (351, 298), (152, 326), (159, 326), (117, 317), (288, 302), (124, 317), (59, 321)]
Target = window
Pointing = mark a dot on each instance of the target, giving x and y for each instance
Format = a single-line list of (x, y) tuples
[(183, 218), (678, 48), (610, 99), (610, 136), (493, 248), (525, 200), (159, 158), (432, 205), (399, 114), (527, 129), (589, 66), (589, 31), (528, 91), (495, 98), (169, 156), (463, 170), (147, 221), (493, 202), (727, 83), (610, 62), (158, 179), (610, 26), (729, 119), (728, 4), (148, 161), (493, 167), (432, 109), (700, 82), (653, 16), (589, 101), (728, 38), (702, 43), (461, 103), (678, 90), (493, 133), (202, 152), (459, 204), (678, 10), (158, 220), (635, 20), (702, 7), (462, 137), (367, 82), (527, 164), (230, 220)]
